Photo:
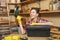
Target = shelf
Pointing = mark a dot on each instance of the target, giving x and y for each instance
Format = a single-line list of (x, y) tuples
[(3, 6), (7, 24), (43, 12), (25, 2), (4, 31), (4, 28), (3, 14), (4, 25), (13, 24), (14, 3), (20, 13), (4, 22), (55, 11), (24, 13)]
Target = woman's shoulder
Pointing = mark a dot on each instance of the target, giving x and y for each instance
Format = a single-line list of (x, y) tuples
[(43, 20)]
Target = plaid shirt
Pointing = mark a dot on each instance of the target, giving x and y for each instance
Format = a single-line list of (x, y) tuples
[(39, 20)]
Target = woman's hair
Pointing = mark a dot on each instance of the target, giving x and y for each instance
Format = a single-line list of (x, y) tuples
[(37, 9)]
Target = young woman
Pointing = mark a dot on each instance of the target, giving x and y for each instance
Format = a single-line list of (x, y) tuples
[(34, 17)]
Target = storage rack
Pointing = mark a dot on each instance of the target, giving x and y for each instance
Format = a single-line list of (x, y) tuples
[(4, 24)]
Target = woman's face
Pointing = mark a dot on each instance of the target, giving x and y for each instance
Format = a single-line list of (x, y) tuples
[(33, 14)]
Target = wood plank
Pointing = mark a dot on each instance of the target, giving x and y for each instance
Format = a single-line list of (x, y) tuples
[(7, 24), (3, 6), (25, 2), (55, 32), (14, 3), (13, 24), (54, 11), (20, 13), (3, 28)]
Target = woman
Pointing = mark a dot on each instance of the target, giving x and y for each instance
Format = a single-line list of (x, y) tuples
[(34, 17)]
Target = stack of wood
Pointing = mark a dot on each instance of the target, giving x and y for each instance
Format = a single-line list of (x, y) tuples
[(4, 30), (4, 21), (55, 33)]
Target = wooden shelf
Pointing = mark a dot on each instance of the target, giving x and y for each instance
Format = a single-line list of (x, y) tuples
[(20, 13), (14, 3), (4, 22), (25, 2), (24, 13), (43, 12), (4, 28), (18, 3), (7, 24), (3, 14), (4, 31), (55, 11), (3, 6), (13, 24)]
